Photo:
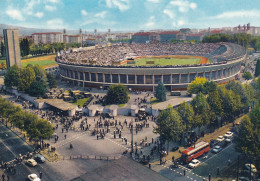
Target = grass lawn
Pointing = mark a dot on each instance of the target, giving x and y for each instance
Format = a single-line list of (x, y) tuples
[(154, 101), (2, 61), (163, 61), (80, 102), (44, 61), (121, 105)]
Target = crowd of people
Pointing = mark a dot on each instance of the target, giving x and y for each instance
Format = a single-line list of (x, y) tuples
[(115, 54)]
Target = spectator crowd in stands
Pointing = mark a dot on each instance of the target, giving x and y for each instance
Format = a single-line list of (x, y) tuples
[(114, 54)]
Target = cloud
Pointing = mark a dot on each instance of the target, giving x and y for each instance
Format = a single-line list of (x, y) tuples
[(50, 8), (14, 14), (39, 14), (149, 24), (153, 1), (180, 22), (169, 13), (122, 5), (55, 23), (237, 14), (53, 1), (101, 14), (84, 13), (183, 6)]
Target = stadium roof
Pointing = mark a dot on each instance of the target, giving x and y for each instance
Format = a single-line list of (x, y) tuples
[(121, 169), (47, 33), (169, 32)]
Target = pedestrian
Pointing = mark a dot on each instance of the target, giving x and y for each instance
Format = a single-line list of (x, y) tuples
[(3, 177), (40, 175), (65, 136), (7, 177)]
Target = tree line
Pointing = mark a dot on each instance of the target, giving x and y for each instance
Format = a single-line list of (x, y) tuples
[(37, 129), (31, 79), (212, 106), (27, 47), (243, 39), (247, 139)]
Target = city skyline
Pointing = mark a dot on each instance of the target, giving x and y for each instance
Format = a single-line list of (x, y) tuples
[(132, 15)]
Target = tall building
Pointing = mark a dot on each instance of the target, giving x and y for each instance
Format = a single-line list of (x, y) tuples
[(47, 38), (72, 38), (11, 39)]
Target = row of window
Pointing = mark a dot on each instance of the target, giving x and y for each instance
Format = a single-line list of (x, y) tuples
[(147, 79)]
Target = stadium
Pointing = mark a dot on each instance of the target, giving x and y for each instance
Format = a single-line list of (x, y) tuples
[(142, 66)]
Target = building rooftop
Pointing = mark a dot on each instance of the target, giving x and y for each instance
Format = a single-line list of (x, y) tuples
[(59, 104), (169, 32), (194, 35), (46, 33), (142, 34)]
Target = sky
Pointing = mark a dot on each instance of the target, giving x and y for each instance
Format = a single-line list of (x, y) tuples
[(129, 15)]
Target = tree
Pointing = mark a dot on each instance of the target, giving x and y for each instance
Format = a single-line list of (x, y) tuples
[(37, 89), (231, 103), (187, 114), (117, 94), (12, 76), (40, 74), (247, 139), (169, 125), (26, 78), (51, 81), (257, 68), (197, 85), (201, 107), (209, 86), (24, 47), (247, 75), (255, 116), (160, 92), (238, 89), (3, 50)]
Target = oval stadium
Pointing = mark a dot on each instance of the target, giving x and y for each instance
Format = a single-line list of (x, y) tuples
[(142, 66)]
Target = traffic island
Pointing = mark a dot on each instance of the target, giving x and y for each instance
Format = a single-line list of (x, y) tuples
[(51, 156)]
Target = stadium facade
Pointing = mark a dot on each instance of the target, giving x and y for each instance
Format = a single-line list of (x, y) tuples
[(226, 66)]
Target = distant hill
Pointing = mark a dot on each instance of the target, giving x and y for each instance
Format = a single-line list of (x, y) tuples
[(25, 31)]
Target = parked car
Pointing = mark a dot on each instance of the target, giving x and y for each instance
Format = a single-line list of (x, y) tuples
[(213, 143), (228, 134), (194, 163), (40, 158), (220, 138), (216, 149), (31, 162), (33, 177), (253, 168)]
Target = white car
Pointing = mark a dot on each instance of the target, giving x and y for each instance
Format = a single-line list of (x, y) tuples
[(216, 149), (228, 134), (31, 162), (194, 163), (253, 168), (220, 138), (33, 177)]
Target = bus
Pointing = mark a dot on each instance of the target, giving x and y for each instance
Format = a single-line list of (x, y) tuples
[(195, 151)]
